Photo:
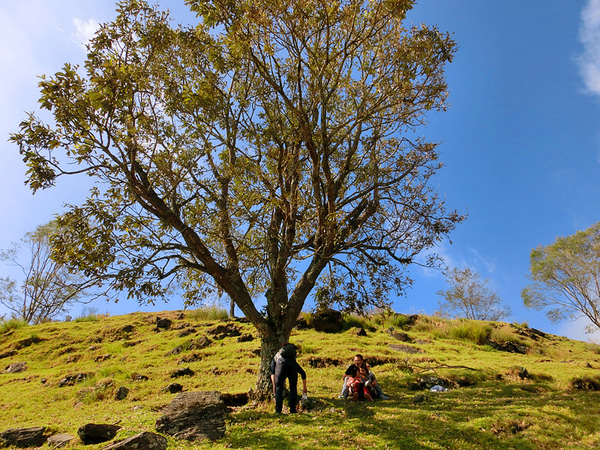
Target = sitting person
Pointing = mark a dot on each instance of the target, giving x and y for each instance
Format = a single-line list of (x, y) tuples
[(372, 383), (356, 384)]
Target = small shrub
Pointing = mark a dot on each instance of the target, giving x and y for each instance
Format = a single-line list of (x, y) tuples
[(466, 378), (305, 348), (399, 321), (305, 320), (353, 321), (586, 383), (12, 324), (510, 426), (213, 313), (114, 372), (436, 326), (88, 315), (474, 331), (102, 390), (87, 319), (505, 335), (592, 347)]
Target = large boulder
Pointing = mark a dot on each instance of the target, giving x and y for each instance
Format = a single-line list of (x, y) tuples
[(23, 437), (142, 441), (194, 416), (328, 321), (95, 433)]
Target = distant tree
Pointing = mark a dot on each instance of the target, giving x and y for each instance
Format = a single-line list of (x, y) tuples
[(47, 288), (468, 296), (565, 276), (249, 153)]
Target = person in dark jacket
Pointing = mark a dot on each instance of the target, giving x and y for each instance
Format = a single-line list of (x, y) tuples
[(284, 365)]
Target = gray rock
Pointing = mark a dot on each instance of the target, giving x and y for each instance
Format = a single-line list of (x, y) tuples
[(173, 388), (429, 382), (24, 437), (128, 329), (245, 338), (121, 393), (17, 367), (186, 332), (142, 441), (399, 335), (187, 372), (199, 344), (511, 347), (163, 324), (194, 416), (419, 398), (71, 380), (93, 433), (222, 331), (60, 440)]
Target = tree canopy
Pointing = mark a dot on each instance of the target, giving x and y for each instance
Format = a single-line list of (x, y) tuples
[(565, 277), (249, 153), (468, 296), (46, 289)]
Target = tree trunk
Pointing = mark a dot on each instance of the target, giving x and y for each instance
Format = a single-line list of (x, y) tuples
[(232, 309), (269, 345)]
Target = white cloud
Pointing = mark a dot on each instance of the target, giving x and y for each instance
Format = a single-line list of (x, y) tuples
[(589, 35), (84, 30), (576, 329), (489, 264)]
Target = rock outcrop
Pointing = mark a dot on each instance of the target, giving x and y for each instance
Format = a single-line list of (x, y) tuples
[(194, 416)]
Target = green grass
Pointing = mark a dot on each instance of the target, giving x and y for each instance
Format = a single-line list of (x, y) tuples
[(470, 330), (208, 313), (489, 405), (11, 324)]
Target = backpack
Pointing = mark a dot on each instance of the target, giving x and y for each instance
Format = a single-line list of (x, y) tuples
[(288, 351)]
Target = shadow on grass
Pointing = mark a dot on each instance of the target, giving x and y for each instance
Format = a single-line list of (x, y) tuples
[(498, 416)]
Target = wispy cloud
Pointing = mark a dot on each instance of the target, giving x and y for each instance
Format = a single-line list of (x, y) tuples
[(589, 35), (576, 329), (84, 30)]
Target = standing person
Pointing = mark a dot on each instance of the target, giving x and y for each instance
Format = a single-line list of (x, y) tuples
[(284, 365), (358, 363)]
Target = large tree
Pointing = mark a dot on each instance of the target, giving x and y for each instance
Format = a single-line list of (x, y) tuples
[(45, 288), (247, 154), (565, 277)]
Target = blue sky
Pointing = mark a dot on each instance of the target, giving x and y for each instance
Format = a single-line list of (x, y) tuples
[(520, 141)]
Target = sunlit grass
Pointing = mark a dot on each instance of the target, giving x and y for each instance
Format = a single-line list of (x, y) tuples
[(11, 324), (489, 404)]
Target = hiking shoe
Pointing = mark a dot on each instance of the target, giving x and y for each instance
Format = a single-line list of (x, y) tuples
[(384, 397)]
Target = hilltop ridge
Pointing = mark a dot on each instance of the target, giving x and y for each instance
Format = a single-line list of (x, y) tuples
[(506, 381)]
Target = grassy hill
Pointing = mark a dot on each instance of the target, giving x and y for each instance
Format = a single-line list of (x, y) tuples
[(542, 398)]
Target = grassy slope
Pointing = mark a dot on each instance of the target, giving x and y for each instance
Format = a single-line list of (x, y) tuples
[(501, 410)]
